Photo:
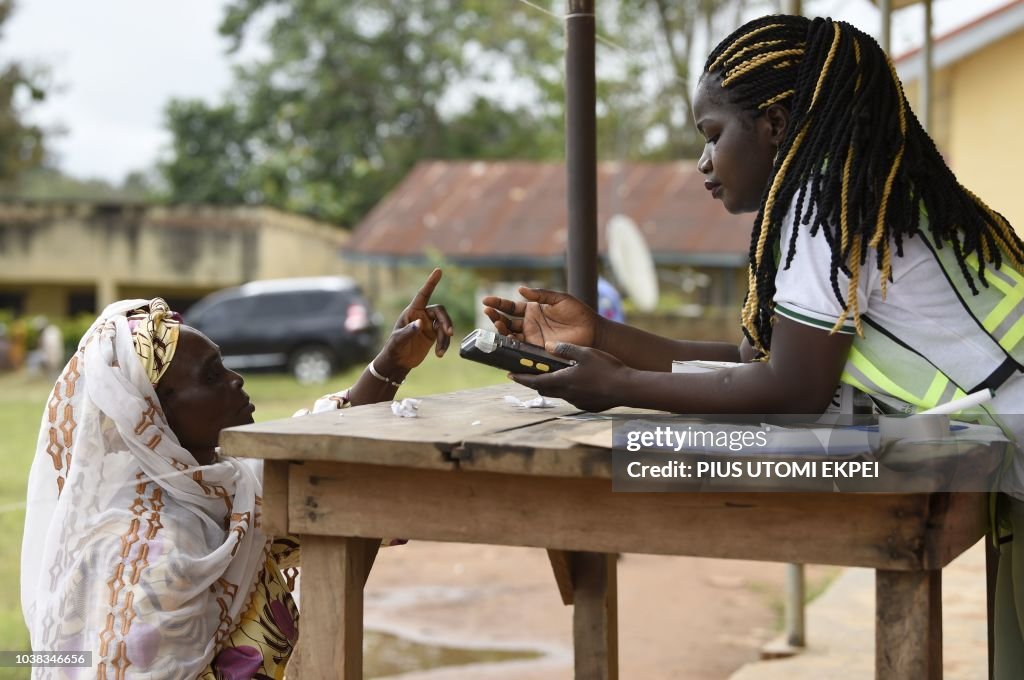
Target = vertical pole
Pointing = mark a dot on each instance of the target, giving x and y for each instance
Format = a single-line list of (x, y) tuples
[(595, 629), (106, 292), (581, 149), (796, 635), (929, 70), (792, 7), (885, 7)]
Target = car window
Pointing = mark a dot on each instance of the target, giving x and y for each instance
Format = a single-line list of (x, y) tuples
[(226, 311), (293, 304)]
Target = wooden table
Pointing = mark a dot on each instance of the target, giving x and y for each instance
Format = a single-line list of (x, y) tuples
[(473, 468)]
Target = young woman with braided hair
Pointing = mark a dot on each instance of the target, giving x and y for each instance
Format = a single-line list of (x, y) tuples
[(869, 264)]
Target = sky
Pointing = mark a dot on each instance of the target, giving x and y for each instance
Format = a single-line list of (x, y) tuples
[(116, 64)]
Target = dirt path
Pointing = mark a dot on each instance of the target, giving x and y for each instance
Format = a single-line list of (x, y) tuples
[(680, 618)]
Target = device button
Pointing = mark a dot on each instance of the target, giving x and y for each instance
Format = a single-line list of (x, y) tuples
[(543, 367), (527, 362)]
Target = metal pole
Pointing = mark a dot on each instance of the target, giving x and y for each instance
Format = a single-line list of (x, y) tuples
[(794, 595), (581, 149), (796, 635), (885, 6), (929, 69)]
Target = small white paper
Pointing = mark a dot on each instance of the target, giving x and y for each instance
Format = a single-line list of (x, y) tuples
[(407, 408), (701, 366), (536, 402)]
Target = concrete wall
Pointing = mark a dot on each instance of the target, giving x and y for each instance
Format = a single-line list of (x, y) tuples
[(290, 245), (48, 252)]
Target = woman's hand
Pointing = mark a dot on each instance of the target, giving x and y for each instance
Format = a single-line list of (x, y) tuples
[(594, 384), (420, 326), (546, 316)]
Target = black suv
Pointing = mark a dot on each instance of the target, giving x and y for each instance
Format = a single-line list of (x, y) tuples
[(309, 326)]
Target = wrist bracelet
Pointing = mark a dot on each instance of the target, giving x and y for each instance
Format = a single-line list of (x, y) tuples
[(378, 376)]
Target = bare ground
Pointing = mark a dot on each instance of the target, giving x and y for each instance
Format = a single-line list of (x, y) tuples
[(679, 617)]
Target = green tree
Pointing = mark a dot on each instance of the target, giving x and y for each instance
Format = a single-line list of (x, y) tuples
[(21, 143), (348, 98), (645, 89), (348, 95), (211, 161)]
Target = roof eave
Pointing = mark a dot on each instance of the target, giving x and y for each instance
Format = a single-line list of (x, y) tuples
[(964, 42)]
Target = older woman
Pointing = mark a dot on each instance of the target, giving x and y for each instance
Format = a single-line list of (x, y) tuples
[(142, 543)]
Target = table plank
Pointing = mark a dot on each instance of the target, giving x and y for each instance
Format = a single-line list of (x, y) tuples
[(887, 531), (549, 448), (373, 434)]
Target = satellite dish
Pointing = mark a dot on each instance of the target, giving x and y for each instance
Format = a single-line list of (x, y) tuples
[(631, 262)]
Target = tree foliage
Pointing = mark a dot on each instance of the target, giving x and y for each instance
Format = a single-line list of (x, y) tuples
[(21, 143), (345, 96)]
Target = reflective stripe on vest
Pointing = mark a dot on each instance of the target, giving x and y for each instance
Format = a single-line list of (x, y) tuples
[(889, 368)]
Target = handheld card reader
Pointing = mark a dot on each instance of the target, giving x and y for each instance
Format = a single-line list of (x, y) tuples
[(494, 349)]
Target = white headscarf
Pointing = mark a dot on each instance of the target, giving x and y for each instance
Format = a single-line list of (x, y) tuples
[(131, 549)]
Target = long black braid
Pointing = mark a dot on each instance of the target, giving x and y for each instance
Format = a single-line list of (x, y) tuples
[(855, 159)]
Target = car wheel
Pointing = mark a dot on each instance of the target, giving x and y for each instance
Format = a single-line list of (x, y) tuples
[(311, 365)]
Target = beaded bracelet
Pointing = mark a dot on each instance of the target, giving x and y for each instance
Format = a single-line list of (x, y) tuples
[(378, 376)]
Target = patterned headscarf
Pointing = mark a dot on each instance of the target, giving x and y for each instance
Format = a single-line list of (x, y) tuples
[(132, 550), (155, 334)]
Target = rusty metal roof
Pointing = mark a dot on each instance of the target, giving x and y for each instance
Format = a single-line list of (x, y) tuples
[(514, 213)]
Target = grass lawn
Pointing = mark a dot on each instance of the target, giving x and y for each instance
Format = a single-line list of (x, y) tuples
[(276, 396)]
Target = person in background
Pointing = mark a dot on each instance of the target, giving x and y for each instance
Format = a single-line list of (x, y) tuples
[(51, 348), (609, 301), (48, 356)]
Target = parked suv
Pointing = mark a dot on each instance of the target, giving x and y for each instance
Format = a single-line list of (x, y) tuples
[(309, 326)]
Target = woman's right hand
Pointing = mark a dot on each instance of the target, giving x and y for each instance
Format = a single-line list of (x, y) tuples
[(545, 316)]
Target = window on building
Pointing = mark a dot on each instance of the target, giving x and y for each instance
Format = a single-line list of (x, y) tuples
[(82, 303), (13, 302)]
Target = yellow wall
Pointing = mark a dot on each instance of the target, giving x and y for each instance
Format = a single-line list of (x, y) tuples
[(977, 116), (986, 146), (290, 245)]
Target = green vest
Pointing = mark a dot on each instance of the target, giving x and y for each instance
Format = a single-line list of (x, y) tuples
[(900, 378)]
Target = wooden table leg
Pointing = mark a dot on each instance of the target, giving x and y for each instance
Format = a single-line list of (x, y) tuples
[(334, 571), (595, 616), (908, 625)]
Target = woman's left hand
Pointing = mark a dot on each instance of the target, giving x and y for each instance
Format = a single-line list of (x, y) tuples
[(593, 384), (430, 326)]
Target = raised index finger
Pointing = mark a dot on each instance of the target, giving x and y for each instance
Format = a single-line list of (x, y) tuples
[(422, 298)]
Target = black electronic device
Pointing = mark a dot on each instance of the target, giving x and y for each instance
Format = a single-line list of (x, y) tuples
[(494, 349)]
